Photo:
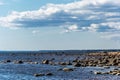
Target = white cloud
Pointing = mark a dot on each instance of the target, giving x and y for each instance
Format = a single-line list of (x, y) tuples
[(70, 28), (84, 15), (104, 27)]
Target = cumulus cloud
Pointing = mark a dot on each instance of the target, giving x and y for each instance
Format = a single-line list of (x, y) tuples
[(84, 15), (70, 28), (104, 27)]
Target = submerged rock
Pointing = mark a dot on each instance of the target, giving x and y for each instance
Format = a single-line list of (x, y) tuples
[(106, 67), (67, 69), (18, 62), (60, 69), (49, 74), (39, 74)]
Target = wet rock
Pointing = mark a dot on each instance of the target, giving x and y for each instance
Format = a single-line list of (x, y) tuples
[(114, 72), (18, 62), (67, 69), (105, 73), (33, 62), (77, 65), (52, 59), (8, 61), (97, 72), (69, 63), (49, 74), (40, 74), (62, 63), (118, 74), (51, 63), (60, 69), (106, 67), (45, 62), (76, 60), (116, 69)]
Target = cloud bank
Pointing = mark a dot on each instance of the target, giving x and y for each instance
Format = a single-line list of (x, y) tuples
[(101, 16)]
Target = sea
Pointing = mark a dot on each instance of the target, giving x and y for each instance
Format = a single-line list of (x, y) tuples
[(26, 71)]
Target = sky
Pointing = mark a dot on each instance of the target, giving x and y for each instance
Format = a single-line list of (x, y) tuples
[(59, 24)]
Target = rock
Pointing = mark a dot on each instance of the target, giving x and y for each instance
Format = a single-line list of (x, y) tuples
[(106, 67), (52, 59), (8, 61), (67, 69), (60, 69), (76, 60), (113, 73), (91, 71), (77, 65), (115, 69), (97, 72), (18, 62), (49, 74), (68, 63), (45, 62), (62, 63), (51, 63), (35, 62), (40, 74), (105, 73), (118, 74)]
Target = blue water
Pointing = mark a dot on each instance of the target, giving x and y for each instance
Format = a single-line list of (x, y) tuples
[(26, 71)]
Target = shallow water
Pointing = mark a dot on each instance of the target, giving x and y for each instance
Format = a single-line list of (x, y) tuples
[(25, 71)]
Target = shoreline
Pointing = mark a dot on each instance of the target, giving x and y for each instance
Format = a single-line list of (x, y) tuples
[(65, 63)]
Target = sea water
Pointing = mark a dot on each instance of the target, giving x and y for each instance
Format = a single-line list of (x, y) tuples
[(25, 71)]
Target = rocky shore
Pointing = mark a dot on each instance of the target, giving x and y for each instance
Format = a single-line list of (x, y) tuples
[(104, 59), (70, 62)]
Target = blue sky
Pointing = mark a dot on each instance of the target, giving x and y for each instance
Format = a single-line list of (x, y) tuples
[(59, 24)]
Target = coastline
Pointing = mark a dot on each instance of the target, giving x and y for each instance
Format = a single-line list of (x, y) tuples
[(63, 65)]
